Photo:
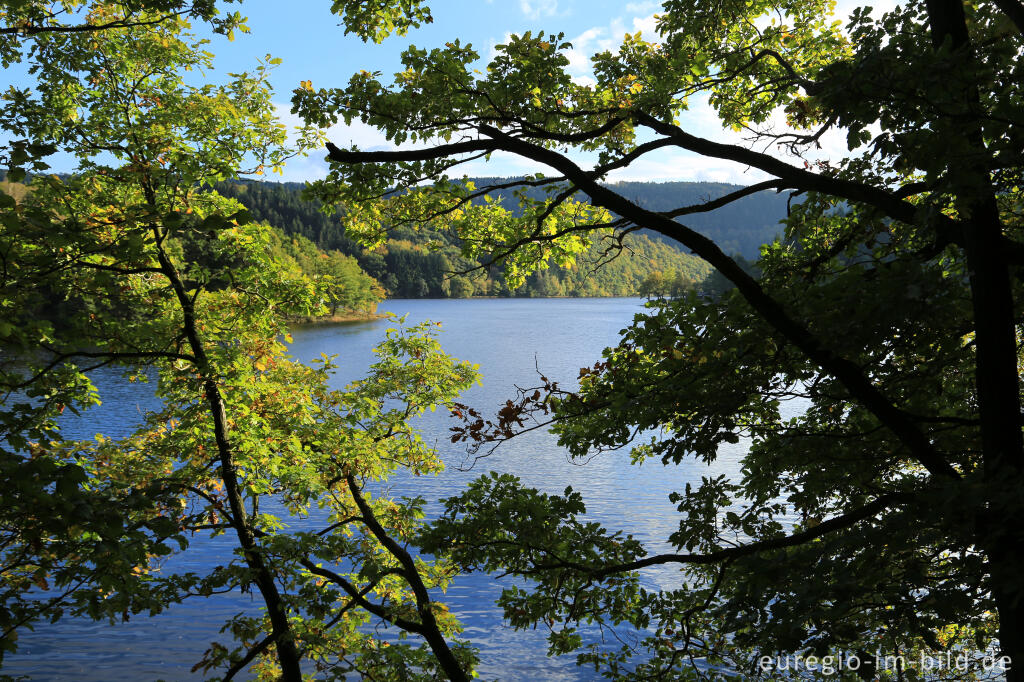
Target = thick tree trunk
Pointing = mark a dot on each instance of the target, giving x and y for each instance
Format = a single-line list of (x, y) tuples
[(1001, 519), (1001, 516)]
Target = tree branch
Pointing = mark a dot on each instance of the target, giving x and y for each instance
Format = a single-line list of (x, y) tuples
[(359, 597), (837, 523), (428, 154), (230, 673), (1014, 10), (797, 178), (430, 629), (771, 310), (727, 199), (31, 30)]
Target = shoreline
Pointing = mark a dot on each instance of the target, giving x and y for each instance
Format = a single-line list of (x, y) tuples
[(346, 318)]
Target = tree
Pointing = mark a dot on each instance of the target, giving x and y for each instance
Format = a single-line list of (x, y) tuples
[(22, 20), (134, 261), (338, 276), (653, 285), (892, 309)]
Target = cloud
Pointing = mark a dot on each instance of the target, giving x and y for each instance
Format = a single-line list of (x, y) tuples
[(644, 7), (583, 45), (303, 169), (492, 46), (313, 167), (501, 164), (358, 133), (535, 9), (647, 25), (609, 38), (678, 166)]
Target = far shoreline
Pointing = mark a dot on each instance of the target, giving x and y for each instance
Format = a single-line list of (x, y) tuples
[(345, 318), (352, 317)]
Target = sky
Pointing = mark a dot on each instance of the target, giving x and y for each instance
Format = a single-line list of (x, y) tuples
[(308, 38)]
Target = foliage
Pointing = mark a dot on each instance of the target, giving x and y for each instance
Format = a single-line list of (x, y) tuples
[(376, 21), (132, 261), (885, 513), (660, 284), (346, 286), (22, 20)]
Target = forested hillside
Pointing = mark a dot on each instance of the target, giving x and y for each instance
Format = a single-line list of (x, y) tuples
[(739, 227), (348, 291), (408, 268)]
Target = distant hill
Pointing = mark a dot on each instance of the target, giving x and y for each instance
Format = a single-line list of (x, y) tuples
[(408, 269), (741, 227), (349, 293)]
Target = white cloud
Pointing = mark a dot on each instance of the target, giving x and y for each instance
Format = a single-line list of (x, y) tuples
[(608, 38), (643, 7), (358, 133), (583, 45), (501, 164), (648, 26), (535, 9), (303, 169), (684, 166), (313, 166), (492, 46)]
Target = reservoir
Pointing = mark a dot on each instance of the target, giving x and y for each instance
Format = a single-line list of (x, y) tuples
[(512, 340)]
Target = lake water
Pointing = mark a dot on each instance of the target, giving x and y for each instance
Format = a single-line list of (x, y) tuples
[(510, 339)]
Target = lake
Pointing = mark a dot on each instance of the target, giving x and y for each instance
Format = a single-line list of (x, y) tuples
[(511, 339)]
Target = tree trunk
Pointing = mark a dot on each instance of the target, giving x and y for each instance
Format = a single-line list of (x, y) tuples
[(287, 653), (1001, 517), (1001, 513)]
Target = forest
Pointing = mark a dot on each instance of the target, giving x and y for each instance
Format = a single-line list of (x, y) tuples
[(422, 264), (864, 372)]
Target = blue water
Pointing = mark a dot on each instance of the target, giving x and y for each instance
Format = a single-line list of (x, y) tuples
[(511, 339)]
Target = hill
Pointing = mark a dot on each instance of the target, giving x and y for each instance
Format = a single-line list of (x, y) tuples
[(407, 268), (349, 293), (741, 227)]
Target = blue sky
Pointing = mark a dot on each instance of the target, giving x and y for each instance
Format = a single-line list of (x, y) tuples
[(307, 37)]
